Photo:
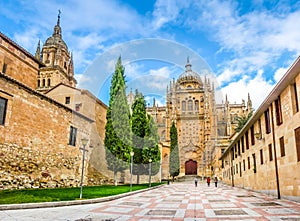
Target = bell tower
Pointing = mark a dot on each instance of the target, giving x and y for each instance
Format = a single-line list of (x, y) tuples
[(58, 62)]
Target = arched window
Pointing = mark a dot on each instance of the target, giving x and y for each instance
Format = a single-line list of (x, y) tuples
[(44, 82), (49, 81), (39, 83), (190, 105), (183, 106), (196, 105)]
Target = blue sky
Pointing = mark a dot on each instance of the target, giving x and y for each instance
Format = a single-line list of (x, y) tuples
[(246, 46)]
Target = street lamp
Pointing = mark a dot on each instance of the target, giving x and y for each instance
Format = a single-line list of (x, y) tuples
[(131, 164), (150, 160), (84, 142)]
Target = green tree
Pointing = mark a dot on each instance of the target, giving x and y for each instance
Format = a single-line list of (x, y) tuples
[(117, 129), (139, 128), (151, 149), (241, 121), (174, 152)]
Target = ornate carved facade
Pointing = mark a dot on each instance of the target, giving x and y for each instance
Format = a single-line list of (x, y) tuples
[(203, 126)]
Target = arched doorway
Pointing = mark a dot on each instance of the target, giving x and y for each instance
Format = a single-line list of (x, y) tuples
[(190, 167)]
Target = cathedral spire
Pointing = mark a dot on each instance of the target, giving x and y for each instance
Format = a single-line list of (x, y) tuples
[(57, 28), (188, 65), (71, 66), (38, 51), (58, 18), (249, 103)]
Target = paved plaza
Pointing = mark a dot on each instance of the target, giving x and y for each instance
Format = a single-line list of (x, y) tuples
[(177, 201)]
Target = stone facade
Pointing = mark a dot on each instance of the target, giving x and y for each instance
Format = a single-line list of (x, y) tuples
[(265, 155), (40, 135), (204, 127), (18, 63), (58, 62), (35, 139)]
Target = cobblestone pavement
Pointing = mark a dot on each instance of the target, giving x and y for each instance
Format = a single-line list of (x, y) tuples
[(178, 201)]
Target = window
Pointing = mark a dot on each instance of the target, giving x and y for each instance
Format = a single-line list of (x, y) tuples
[(282, 148), (68, 99), (39, 83), (254, 163), (244, 165), (183, 106), (252, 135), (248, 163), (4, 67), (49, 81), (72, 138), (259, 126), (196, 106), (240, 164), (247, 140), (190, 105), (77, 107), (295, 98), (3, 107), (278, 111), (267, 121), (297, 137), (261, 157), (270, 152), (44, 83), (243, 145), (235, 151), (239, 147)]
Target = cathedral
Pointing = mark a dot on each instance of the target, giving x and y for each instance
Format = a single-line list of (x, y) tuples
[(203, 126)]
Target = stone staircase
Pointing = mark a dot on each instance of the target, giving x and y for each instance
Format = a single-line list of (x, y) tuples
[(187, 178)]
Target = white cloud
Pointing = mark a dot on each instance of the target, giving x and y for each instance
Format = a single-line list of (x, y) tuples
[(279, 73), (166, 11), (258, 88)]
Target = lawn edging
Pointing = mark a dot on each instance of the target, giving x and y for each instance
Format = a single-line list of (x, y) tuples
[(71, 202)]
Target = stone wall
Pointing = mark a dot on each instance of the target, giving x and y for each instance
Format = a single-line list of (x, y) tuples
[(35, 167), (34, 140), (20, 65)]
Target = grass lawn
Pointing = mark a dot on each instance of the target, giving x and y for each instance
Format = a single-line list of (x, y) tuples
[(64, 194)]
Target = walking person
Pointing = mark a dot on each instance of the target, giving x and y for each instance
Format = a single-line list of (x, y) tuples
[(208, 181), (196, 181), (216, 181)]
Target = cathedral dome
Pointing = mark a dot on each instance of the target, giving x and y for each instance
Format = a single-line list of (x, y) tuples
[(56, 41), (189, 76), (56, 38)]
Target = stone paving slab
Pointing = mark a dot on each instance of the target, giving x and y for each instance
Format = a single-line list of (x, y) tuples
[(174, 202)]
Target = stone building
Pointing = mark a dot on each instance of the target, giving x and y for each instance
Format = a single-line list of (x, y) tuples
[(44, 117), (203, 126), (265, 155), (59, 67)]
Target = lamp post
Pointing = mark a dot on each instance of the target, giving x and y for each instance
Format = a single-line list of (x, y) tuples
[(84, 142), (150, 160), (131, 164)]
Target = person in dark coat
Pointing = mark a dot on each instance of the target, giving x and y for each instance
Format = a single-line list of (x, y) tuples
[(216, 181), (196, 181)]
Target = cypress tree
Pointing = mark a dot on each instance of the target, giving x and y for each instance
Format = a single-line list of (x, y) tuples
[(174, 152), (151, 149), (139, 127), (117, 129)]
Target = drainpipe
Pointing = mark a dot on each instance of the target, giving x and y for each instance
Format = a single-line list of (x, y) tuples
[(275, 155)]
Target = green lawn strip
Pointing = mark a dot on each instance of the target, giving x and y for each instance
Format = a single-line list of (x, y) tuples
[(65, 194)]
